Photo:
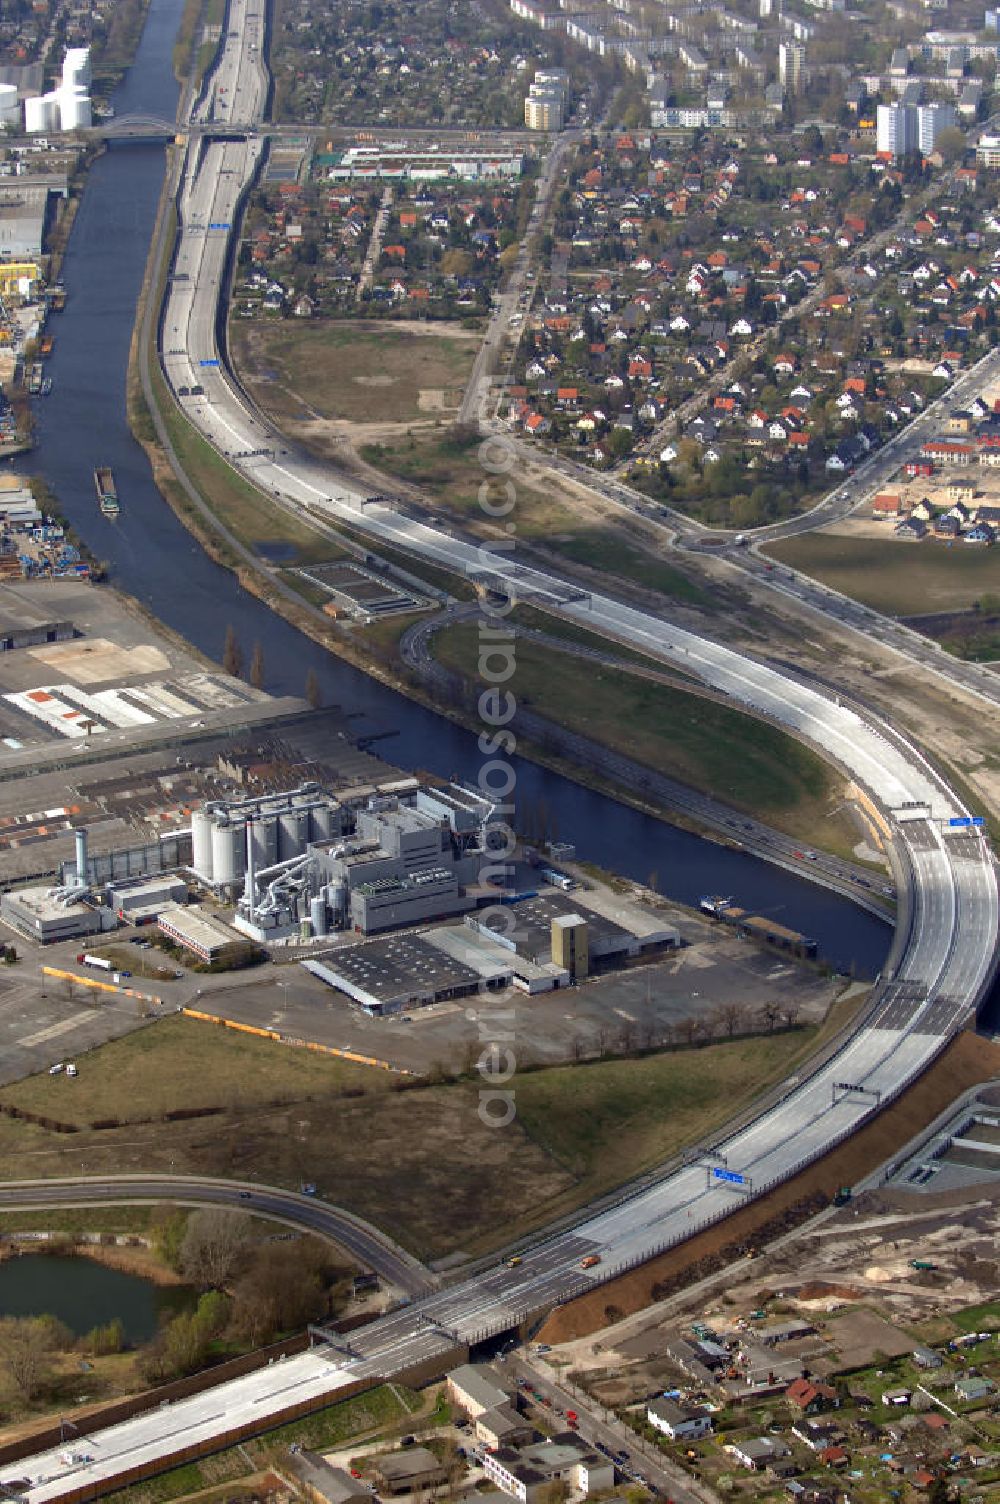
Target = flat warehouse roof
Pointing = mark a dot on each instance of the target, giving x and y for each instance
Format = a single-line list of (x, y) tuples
[(398, 966), (201, 929), (533, 922)]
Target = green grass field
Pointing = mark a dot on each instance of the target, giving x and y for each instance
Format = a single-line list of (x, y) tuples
[(899, 579), (600, 549), (981, 1318), (587, 1116), (746, 762), (183, 1062)]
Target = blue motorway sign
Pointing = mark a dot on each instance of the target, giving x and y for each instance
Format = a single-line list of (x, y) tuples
[(208, 362), (728, 1175), (978, 820), (219, 224), (959, 822)]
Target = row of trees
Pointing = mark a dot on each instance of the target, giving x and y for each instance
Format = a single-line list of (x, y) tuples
[(233, 661)]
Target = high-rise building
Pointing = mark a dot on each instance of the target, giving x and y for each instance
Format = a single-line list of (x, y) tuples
[(791, 66), (932, 119), (764, 8), (897, 129)]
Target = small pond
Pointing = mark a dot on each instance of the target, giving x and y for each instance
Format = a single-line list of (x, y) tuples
[(84, 1294)]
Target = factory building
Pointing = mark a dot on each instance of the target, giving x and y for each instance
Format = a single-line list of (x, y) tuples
[(549, 930), (407, 860), (41, 914), (66, 912), (281, 827), (27, 627), (24, 212), (202, 934), (139, 900), (570, 948)]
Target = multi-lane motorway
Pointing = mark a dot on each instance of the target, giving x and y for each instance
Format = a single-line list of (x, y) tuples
[(944, 969)]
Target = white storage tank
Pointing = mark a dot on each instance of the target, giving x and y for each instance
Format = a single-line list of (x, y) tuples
[(228, 853), (201, 844), (317, 914), (10, 106), (74, 110), (293, 832), (41, 114), (76, 68)]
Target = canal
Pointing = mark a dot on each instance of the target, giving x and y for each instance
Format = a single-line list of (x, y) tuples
[(151, 556)]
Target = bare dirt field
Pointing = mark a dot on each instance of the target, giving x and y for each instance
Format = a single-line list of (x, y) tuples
[(893, 576), (97, 660), (363, 371)]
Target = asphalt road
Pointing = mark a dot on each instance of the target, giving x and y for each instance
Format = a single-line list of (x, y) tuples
[(372, 1248), (602, 1429)]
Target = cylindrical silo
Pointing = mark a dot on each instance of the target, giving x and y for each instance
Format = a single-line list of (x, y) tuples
[(317, 913), (74, 110), (293, 829), (320, 822), (265, 841), (228, 853), (41, 113), (336, 897), (201, 844), (76, 68), (10, 105), (305, 930)]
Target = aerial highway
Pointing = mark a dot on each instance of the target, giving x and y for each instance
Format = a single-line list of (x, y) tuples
[(945, 963)]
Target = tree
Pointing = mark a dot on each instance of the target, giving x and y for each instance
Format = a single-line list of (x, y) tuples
[(257, 666), (26, 1346), (314, 694), (168, 1235), (212, 1245), (232, 653), (285, 1287), (950, 144), (109, 1338)]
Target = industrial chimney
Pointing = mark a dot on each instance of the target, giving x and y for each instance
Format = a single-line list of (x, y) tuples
[(82, 880)]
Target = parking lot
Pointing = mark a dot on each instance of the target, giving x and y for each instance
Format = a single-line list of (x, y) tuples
[(645, 1006)]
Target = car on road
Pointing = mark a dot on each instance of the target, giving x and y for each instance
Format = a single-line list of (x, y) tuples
[(57, 1069), (71, 1070), (245, 1195)]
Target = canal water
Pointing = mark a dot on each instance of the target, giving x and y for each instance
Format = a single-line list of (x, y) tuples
[(83, 1294), (83, 423)]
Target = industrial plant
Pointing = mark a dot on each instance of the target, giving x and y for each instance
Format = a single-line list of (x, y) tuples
[(311, 865), (65, 108)]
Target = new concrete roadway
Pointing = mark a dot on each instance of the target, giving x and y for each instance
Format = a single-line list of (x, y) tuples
[(946, 959)]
